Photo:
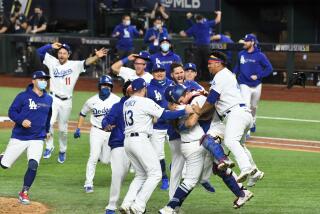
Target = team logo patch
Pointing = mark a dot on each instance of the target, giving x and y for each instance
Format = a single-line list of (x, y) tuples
[(32, 105)]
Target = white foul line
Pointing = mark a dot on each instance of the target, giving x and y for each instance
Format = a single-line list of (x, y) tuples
[(288, 119), (282, 144)]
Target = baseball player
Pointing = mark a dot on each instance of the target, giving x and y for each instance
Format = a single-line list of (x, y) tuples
[(251, 67), (226, 99), (140, 64), (190, 71), (64, 74), (138, 113), (178, 76), (155, 91), (31, 111), (99, 105), (165, 56), (119, 160)]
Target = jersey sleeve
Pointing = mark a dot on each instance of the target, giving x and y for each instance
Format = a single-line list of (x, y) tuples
[(153, 108), (81, 66), (217, 85), (85, 109), (126, 73), (200, 100), (49, 60)]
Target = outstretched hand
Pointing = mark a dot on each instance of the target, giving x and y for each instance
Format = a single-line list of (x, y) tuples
[(56, 45), (102, 52)]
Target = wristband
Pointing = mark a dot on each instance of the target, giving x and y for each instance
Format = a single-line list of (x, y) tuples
[(125, 60)]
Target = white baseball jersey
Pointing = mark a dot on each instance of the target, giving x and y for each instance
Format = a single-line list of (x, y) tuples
[(130, 74), (225, 83), (63, 77), (138, 113), (196, 132), (99, 108)]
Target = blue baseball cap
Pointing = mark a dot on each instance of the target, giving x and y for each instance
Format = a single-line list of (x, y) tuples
[(250, 37), (176, 92), (67, 47), (138, 84), (158, 67), (164, 38), (144, 55), (40, 75), (190, 66)]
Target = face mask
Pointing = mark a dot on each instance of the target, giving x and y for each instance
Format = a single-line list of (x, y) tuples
[(42, 84), (165, 47), (158, 26), (127, 22), (104, 93)]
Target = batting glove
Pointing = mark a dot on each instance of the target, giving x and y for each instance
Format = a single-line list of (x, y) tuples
[(77, 133)]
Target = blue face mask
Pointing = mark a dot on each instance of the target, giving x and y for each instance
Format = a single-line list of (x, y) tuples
[(42, 84), (104, 93), (165, 47)]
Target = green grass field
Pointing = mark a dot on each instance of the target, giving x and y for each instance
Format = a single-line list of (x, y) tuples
[(291, 183)]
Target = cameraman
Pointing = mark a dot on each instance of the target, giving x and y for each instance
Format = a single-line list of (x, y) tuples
[(18, 19), (37, 22), (159, 11)]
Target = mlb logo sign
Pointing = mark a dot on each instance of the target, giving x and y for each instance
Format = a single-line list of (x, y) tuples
[(32, 105)]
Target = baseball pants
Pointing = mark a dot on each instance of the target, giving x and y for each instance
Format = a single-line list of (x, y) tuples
[(157, 139), (251, 96)]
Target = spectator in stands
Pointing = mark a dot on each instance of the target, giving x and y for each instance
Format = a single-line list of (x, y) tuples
[(201, 31), (18, 19), (125, 32), (165, 56), (251, 67), (159, 10), (154, 34), (5, 25), (224, 38), (37, 22)]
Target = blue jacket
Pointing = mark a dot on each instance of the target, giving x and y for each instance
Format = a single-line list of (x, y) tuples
[(115, 117), (165, 60), (28, 105), (254, 63), (225, 39), (201, 32), (154, 32), (192, 85), (155, 91), (125, 39)]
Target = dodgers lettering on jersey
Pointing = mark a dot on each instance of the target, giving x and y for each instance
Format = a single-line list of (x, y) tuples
[(99, 108), (63, 77), (225, 83), (130, 74), (195, 132), (138, 113)]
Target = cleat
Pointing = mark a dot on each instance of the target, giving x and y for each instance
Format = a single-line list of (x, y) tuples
[(240, 201), (124, 210), (110, 212), (245, 174), (24, 198), (167, 210), (88, 189), (62, 157), (208, 187), (47, 153), (225, 164), (165, 184), (254, 178), (253, 128)]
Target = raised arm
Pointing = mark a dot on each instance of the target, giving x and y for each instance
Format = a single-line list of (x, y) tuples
[(117, 65), (98, 54), (218, 17)]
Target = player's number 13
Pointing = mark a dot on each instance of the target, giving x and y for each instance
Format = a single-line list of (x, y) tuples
[(128, 118)]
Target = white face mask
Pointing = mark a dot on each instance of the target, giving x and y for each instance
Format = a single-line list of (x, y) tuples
[(165, 47), (158, 26), (127, 22), (42, 84)]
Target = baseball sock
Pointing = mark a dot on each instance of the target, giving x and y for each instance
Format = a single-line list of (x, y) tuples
[(163, 169), (28, 179), (215, 149), (231, 183), (179, 196)]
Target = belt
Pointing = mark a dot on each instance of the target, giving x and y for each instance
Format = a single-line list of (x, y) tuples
[(136, 134), (61, 98), (228, 111), (99, 128)]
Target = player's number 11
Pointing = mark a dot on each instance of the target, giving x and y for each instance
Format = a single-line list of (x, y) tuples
[(68, 80)]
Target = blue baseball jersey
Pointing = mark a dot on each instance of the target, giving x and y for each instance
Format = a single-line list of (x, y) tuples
[(201, 32), (125, 39), (28, 105), (166, 60), (155, 91), (193, 85), (254, 63), (154, 45), (115, 117)]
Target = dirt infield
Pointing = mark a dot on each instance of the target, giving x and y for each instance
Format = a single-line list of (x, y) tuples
[(12, 205), (269, 92)]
